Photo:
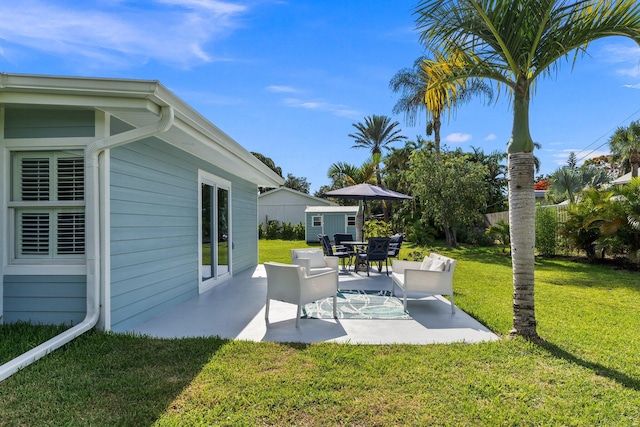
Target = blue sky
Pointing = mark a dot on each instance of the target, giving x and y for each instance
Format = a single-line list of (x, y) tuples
[(289, 78)]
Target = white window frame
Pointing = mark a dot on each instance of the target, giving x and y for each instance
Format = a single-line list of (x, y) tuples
[(216, 279), (351, 218), (314, 218), (52, 207)]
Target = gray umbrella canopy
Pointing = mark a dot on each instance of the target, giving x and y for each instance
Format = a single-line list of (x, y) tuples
[(364, 192)]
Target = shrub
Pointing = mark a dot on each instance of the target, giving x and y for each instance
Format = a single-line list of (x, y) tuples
[(298, 232), (287, 232), (273, 230), (476, 236), (420, 233), (376, 228), (546, 231)]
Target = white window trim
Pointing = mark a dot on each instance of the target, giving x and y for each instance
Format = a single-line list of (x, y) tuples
[(76, 264), (313, 221)]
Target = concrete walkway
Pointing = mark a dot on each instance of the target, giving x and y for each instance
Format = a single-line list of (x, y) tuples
[(235, 310)]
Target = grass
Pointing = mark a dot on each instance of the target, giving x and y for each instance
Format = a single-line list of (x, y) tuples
[(585, 372)]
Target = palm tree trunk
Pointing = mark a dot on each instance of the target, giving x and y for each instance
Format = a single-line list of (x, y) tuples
[(385, 212), (522, 218), (437, 124)]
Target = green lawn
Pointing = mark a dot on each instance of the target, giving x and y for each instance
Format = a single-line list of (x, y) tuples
[(586, 372)]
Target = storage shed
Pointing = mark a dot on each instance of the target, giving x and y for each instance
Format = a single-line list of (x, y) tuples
[(286, 205), (329, 220)]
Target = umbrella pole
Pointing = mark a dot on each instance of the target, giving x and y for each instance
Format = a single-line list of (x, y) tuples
[(360, 222)]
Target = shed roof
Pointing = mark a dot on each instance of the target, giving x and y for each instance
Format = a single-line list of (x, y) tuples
[(138, 103), (286, 190), (329, 209)]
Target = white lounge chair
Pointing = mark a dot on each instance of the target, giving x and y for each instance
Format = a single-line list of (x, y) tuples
[(291, 283), (432, 276)]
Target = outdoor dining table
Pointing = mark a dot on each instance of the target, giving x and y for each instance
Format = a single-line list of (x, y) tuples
[(357, 244)]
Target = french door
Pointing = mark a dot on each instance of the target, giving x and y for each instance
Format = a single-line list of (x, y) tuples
[(215, 230)]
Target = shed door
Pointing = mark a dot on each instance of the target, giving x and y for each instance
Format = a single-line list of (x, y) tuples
[(334, 224)]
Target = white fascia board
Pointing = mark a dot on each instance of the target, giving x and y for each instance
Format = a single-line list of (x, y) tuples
[(78, 85), (203, 127), (99, 102), (209, 148)]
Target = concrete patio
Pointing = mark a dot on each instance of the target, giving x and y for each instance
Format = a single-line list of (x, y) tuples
[(235, 310)]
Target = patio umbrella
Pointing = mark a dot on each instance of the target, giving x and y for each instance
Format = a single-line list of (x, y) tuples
[(362, 193)]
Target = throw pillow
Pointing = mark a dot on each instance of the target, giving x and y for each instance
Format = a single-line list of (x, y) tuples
[(316, 259), (437, 265), (426, 263)]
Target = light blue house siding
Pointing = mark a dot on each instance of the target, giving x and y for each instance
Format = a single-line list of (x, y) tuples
[(45, 299), (40, 298), (332, 220), (154, 228)]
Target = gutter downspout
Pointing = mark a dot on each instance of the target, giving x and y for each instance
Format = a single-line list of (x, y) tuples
[(92, 218)]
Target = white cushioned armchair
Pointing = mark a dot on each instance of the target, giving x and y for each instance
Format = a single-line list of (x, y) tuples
[(432, 276), (291, 283)]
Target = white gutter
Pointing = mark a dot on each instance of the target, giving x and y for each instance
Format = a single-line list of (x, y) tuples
[(92, 242)]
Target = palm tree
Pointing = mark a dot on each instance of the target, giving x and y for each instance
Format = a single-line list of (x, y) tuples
[(377, 133), (344, 174), (412, 83), (625, 143), (514, 42)]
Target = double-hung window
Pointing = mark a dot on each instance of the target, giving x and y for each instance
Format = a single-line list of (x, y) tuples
[(47, 200)]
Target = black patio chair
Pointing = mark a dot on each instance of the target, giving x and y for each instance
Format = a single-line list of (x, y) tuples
[(338, 240), (377, 251), (395, 242), (327, 248)]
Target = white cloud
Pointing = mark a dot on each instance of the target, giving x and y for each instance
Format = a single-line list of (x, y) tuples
[(111, 34), (625, 55), (281, 89), (490, 137), (457, 137), (335, 109)]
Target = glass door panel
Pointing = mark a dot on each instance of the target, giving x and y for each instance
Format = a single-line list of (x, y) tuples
[(208, 254), (223, 231)]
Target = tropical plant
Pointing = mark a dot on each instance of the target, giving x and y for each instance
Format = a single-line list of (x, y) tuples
[(582, 226), (344, 174), (622, 218), (500, 233), (413, 85), (515, 42), (625, 144)]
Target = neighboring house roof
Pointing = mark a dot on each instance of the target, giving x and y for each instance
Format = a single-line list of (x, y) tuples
[(321, 209), (624, 179), (284, 191), (138, 103)]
